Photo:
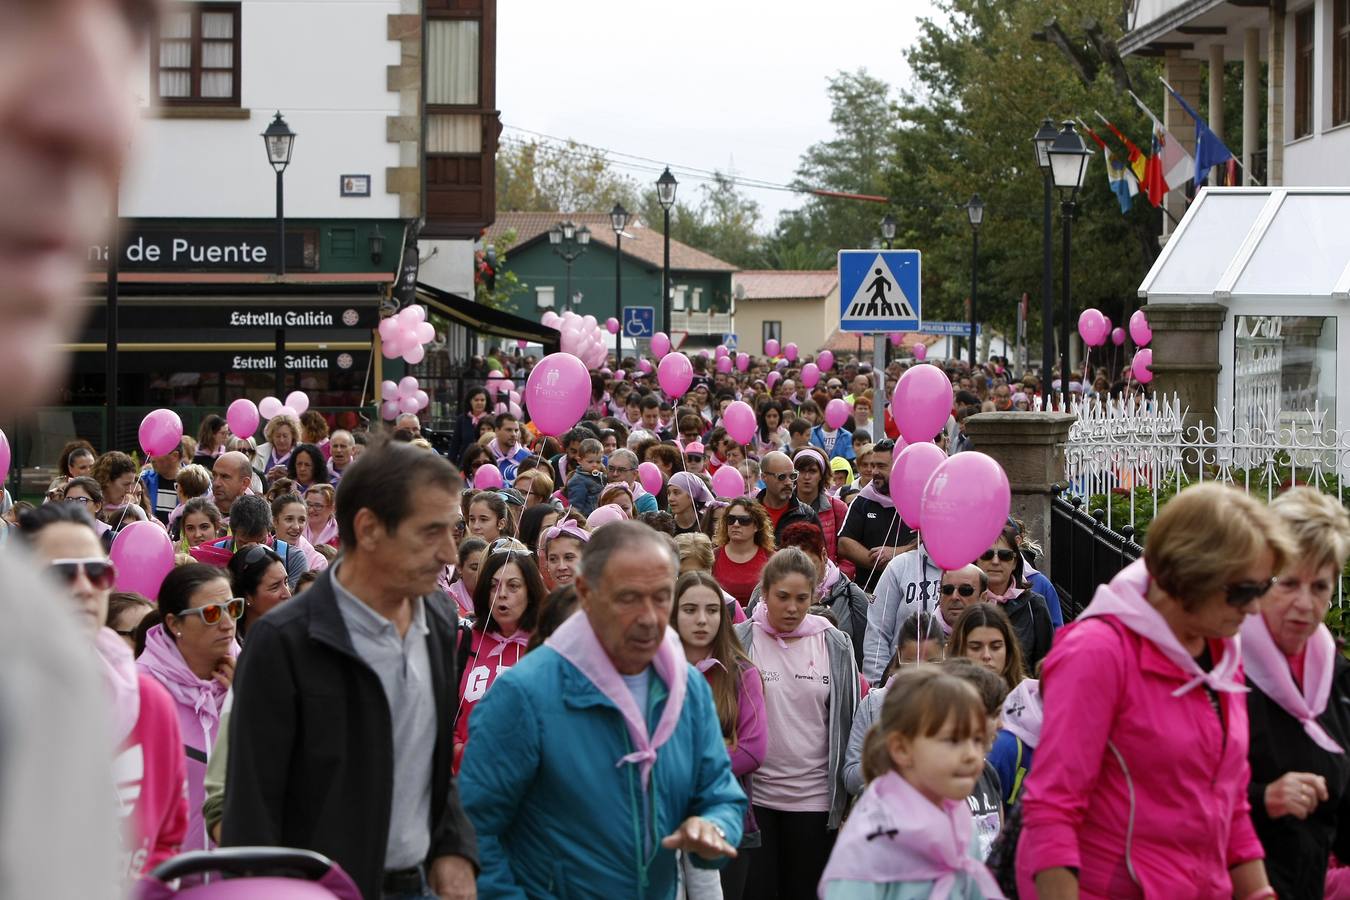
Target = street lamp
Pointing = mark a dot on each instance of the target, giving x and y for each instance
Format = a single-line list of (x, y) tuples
[(280, 141), (975, 212), (569, 242), (1044, 137), (665, 195), (1069, 157), (618, 218), (888, 229)]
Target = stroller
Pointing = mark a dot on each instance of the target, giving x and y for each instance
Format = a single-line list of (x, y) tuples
[(277, 873)]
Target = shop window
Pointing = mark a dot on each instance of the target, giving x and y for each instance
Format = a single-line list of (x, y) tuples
[(1304, 59), (195, 60), (452, 62), (1340, 56)]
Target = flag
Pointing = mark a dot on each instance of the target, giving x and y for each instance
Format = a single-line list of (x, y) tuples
[(1209, 150), (1176, 166), (1136, 156), (1154, 184), (1118, 175)]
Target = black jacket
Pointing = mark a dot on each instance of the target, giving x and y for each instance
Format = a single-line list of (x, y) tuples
[(797, 511), (1296, 849), (1031, 621), (311, 761)]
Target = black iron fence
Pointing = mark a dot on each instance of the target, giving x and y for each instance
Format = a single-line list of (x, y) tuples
[(1084, 551)]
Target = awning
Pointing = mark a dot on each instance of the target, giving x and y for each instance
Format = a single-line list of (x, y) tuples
[(486, 320)]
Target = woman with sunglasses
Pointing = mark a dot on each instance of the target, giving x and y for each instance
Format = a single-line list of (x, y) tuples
[(149, 765), (191, 652), (1141, 777), (560, 548), (744, 544), (1008, 588), (1299, 704), (258, 576), (505, 606)]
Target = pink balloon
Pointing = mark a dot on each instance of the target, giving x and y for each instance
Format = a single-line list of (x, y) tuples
[(921, 403), (649, 474), (773, 378), (660, 344), (423, 401), (644, 367), (408, 405), (620, 375), (521, 343), (704, 353), (965, 506), (897, 338), (810, 375), (911, 470), (143, 555), (161, 431), (920, 352), (836, 412), (728, 482), (1093, 327), (771, 347), (298, 401), (389, 409), (722, 351), (1118, 336), (414, 354), (1139, 328), (604, 515), (414, 313), (739, 421), (241, 416), (388, 388), (724, 364), (407, 386), (426, 332), (790, 351), (4, 458), (269, 407), (612, 325), (675, 373), (557, 393), (550, 319), (287, 411), (743, 361), (487, 478), (1140, 366), (825, 360)]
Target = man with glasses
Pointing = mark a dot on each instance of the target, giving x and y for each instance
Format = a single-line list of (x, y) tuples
[(873, 533), (779, 497), (622, 469), (960, 588)]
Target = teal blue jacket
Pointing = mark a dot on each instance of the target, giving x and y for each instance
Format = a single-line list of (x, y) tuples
[(555, 817)]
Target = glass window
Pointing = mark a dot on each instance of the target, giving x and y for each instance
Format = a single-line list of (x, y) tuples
[(1304, 250), (543, 297), (1214, 233), (1304, 60), (678, 293), (1284, 368), (1340, 61), (773, 331), (197, 58), (454, 134), (452, 62)]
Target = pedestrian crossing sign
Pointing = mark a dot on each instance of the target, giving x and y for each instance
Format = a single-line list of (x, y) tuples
[(879, 291)]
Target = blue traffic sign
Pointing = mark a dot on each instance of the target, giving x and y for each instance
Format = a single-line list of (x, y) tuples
[(639, 321), (879, 291), (729, 341)]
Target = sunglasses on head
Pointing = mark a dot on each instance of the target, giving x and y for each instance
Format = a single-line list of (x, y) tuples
[(212, 612), (258, 552), (100, 572), (1244, 592), (965, 590), (739, 520), (1003, 555)]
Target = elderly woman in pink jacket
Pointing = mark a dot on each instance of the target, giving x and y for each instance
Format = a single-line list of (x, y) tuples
[(1140, 783)]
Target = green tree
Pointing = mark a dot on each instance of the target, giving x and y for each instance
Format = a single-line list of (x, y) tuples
[(534, 176), (725, 222)]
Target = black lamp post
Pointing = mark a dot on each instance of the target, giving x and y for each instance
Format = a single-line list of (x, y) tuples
[(279, 141), (888, 230), (1069, 157), (618, 218), (975, 212), (1045, 136), (665, 194), (569, 242)]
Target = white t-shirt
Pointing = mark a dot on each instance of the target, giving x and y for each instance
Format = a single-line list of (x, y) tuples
[(795, 776)]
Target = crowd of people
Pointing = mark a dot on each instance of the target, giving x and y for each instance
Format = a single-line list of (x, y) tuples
[(574, 685)]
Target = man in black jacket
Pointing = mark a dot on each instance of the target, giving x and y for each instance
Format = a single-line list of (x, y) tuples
[(344, 700), (779, 497)]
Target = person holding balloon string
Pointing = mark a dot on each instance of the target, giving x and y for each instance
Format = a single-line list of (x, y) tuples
[(273, 455)]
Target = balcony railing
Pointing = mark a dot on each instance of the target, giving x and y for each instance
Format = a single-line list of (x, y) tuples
[(701, 322)]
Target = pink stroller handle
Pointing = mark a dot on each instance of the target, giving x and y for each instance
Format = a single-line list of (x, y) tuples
[(248, 862)]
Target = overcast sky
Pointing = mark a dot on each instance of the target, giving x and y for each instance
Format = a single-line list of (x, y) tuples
[(729, 85)]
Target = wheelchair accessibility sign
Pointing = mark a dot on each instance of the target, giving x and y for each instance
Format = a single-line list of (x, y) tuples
[(879, 291)]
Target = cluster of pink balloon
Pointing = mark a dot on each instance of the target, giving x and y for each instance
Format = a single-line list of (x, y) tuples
[(295, 405), (581, 336), (1141, 333), (405, 334), (496, 383), (406, 396), (1094, 328)]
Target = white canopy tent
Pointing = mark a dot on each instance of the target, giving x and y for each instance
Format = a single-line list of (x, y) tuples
[(1279, 260)]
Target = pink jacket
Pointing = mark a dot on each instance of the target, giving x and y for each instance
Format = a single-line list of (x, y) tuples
[(151, 775), (1187, 775)]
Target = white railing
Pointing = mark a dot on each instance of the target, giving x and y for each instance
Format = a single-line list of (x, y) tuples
[(701, 322)]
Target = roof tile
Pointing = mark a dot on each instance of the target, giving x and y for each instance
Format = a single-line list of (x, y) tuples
[(643, 243)]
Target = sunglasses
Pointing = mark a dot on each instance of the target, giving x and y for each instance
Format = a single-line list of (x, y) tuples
[(211, 614), (100, 572), (693, 457), (258, 552), (1244, 592), (782, 476), (618, 470), (1003, 555), (739, 520), (965, 590)]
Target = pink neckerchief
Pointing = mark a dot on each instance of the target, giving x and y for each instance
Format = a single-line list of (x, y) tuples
[(1023, 712), (1012, 593), (708, 662), (325, 535), (896, 835), (870, 492), (163, 660), (1268, 668), (521, 638), (1125, 598), (459, 592), (810, 625), (832, 576), (575, 641), (121, 681), (495, 449)]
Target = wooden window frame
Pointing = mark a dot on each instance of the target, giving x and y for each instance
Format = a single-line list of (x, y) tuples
[(476, 108), (1340, 62), (195, 71), (1305, 59)]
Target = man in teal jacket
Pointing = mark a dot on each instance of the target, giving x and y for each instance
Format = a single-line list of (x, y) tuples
[(599, 755)]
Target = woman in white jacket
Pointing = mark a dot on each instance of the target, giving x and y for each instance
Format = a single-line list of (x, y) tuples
[(271, 457)]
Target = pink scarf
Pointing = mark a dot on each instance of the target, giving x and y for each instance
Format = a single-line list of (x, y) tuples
[(832, 576), (575, 641), (1023, 712), (870, 492), (708, 662), (520, 638), (164, 660), (459, 592), (121, 680), (896, 835), (1126, 599), (1268, 668), (1012, 593), (325, 535), (810, 625)]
